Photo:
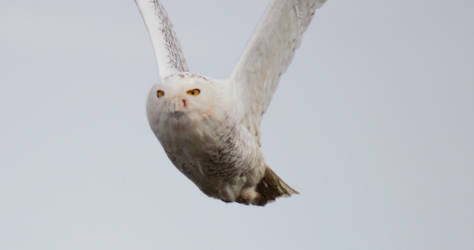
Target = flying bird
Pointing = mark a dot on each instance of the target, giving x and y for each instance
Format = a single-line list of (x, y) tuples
[(210, 128)]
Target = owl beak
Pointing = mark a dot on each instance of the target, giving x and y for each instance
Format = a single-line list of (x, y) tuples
[(178, 104)]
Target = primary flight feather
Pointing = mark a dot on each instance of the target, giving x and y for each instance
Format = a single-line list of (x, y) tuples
[(209, 128)]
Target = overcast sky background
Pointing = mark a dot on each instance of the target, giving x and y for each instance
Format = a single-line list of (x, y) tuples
[(372, 123)]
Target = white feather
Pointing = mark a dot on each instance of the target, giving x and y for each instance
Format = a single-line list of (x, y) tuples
[(168, 53), (270, 51)]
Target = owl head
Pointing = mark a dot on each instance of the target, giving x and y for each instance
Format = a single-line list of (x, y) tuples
[(182, 98)]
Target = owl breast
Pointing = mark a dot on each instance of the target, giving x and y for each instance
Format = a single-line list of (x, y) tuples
[(219, 156)]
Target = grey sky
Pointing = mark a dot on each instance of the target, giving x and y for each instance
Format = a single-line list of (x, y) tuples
[(373, 123)]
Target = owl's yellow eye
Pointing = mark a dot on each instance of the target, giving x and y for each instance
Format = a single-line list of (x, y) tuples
[(193, 92), (160, 93)]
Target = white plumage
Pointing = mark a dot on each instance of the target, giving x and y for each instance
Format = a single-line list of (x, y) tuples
[(210, 128)]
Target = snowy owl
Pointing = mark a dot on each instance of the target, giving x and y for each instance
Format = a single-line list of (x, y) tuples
[(210, 128)]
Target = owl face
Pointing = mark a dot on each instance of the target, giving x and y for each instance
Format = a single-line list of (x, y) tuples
[(181, 98)]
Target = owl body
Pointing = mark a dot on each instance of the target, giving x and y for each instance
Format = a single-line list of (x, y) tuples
[(210, 146)]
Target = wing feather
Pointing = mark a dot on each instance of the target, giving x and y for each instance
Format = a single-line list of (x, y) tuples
[(168, 53), (270, 51)]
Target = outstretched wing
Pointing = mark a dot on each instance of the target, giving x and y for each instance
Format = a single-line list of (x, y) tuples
[(268, 55), (168, 52)]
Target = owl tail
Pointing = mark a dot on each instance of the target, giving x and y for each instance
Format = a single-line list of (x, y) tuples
[(272, 187)]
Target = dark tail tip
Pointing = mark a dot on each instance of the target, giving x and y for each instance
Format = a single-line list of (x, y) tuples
[(271, 187)]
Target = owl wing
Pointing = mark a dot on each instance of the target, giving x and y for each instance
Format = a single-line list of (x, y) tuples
[(168, 53), (266, 58)]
